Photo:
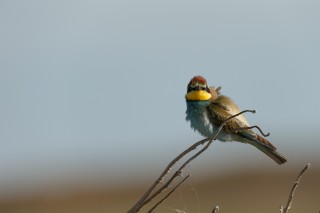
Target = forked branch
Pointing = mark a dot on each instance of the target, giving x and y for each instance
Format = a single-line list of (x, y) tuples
[(157, 204), (149, 196)]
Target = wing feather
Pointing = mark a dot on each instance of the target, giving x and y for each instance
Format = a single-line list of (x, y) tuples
[(222, 108)]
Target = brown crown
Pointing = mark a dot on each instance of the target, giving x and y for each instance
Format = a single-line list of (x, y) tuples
[(199, 79)]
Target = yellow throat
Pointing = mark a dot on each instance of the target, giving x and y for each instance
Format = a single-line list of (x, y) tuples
[(198, 95)]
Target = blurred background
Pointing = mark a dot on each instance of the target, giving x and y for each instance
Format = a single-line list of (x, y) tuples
[(92, 102)]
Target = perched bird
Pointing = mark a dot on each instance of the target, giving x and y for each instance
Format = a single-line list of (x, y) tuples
[(207, 110)]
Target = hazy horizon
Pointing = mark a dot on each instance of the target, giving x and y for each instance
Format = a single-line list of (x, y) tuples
[(95, 90)]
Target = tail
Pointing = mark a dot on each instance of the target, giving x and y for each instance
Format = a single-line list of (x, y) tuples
[(267, 148), (271, 153)]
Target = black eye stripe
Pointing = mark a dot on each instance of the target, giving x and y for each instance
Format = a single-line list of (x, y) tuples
[(198, 86)]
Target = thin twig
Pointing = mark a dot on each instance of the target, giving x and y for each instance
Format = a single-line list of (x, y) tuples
[(162, 188), (251, 127), (146, 198), (215, 209), (142, 200), (231, 117), (157, 204), (294, 187), (176, 174)]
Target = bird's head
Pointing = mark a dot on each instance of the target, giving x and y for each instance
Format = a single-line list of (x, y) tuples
[(198, 89)]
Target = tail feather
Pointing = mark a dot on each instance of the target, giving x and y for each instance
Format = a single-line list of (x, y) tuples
[(266, 147), (272, 153), (265, 141)]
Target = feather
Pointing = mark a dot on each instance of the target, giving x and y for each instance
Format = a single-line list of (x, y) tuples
[(222, 108), (208, 113)]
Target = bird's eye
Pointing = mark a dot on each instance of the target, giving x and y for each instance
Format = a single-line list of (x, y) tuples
[(203, 85), (193, 85)]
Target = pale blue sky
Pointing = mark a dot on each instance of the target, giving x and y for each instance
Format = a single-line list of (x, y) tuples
[(95, 89)]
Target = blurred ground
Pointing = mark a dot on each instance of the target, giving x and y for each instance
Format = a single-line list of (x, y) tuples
[(92, 102), (257, 190)]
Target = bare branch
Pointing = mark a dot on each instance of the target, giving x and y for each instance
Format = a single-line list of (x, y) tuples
[(231, 117), (177, 173), (161, 189), (147, 197), (251, 127), (142, 200), (157, 204), (294, 187)]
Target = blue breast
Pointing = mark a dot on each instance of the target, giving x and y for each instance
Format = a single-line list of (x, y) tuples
[(201, 120), (198, 115)]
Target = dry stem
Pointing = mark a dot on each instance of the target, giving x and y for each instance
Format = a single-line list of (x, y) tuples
[(147, 197), (155, 206), (294, 187)]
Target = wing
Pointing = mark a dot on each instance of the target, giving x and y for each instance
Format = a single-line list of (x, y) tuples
[(222, 108)]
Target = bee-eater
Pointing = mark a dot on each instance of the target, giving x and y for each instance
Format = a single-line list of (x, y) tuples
[(207, 110)]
